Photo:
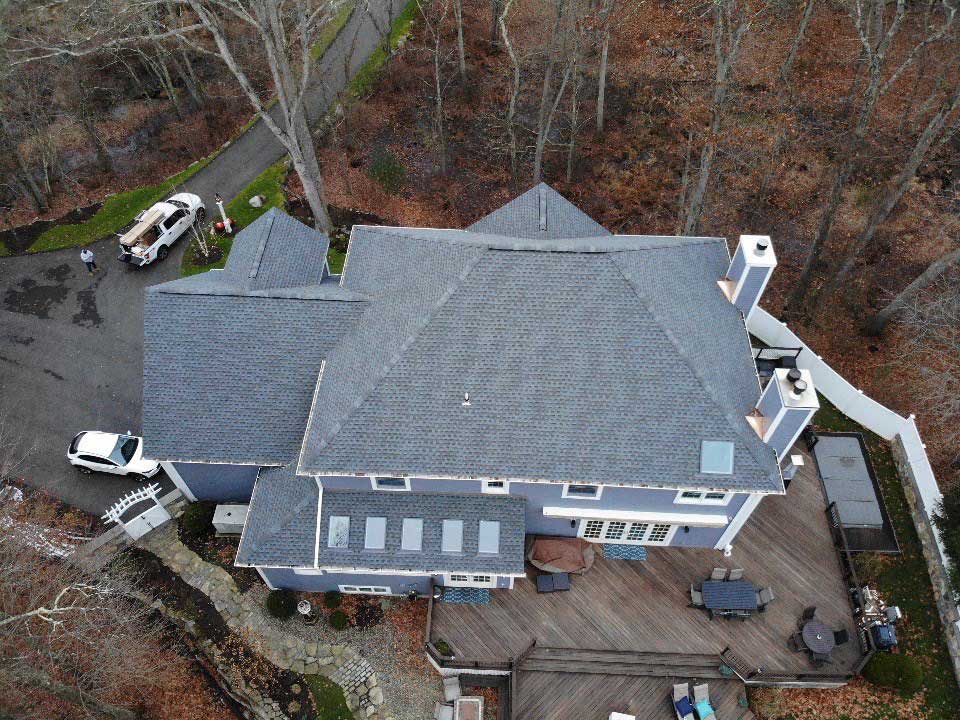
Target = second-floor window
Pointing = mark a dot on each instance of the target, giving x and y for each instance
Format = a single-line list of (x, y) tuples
[(390, 483), (702, 497), (582, 492)]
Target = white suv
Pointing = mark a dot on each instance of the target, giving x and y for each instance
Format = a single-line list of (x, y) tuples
[(93, 451), (160, 226)]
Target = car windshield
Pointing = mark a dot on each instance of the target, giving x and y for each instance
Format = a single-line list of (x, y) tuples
[(179, 204), (124, 450)]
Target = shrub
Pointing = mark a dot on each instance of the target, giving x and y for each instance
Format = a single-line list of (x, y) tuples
[(896, 671), (443, 648), (197, 520), (281, 603), (338, 620), (333, 599), (947, 520), (387, 170)]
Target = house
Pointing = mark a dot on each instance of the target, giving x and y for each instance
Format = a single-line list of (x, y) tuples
[(454, 391)]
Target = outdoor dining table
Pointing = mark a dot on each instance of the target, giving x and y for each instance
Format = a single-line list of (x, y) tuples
[(818, 637), (729, 595)]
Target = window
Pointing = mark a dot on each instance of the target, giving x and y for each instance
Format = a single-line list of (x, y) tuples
[(489, 537), (716, 457), (365, 589), (338, 534), (452, 536), (582, 492), (174, 219), (376, 533), (482, 578), (496, 486), (460, 578), (627, 533), (702, 497), (411, 537), (390, 483), (95, 459), (593, 529)]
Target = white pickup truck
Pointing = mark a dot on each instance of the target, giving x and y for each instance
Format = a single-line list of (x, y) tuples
[(157, 228)]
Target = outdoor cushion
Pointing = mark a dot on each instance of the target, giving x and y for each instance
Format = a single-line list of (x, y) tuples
[(684, 707), (704, 710)]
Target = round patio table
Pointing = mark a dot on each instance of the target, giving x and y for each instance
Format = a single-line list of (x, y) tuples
[(818, 637)]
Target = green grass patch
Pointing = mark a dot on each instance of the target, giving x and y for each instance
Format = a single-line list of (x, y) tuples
[(269, 184), (336, 260), (331, 703), (367, 77), (902, 579), (117, 211), (332, 30), (387, 170)]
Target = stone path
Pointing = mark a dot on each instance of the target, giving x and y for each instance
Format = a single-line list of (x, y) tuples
[(340, 663)]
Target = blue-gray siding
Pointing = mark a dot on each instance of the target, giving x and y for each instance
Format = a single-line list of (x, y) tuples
[(219, 482), (398, 584), (738, 264), (793, 421), (751, 288), (770, 402)]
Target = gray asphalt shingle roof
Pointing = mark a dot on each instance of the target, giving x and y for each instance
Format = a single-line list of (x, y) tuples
[(281, 527), (230, 364), (521, 217), (582, 364)]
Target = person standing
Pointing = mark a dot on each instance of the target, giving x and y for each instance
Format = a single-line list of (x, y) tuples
[(87, 256)]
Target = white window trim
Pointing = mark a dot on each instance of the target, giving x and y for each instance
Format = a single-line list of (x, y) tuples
[(490, 582), (365, 589), (307, 571), (660, 518), (567, 496), (374, 478), (703, 499), (622, 541), (504, 490)]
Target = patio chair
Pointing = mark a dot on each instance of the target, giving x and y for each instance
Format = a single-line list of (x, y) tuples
[(796, 643), (718, 574), (701, 702), (696, 597), (820, 659), (806, 616), (553, 582), (841, 637), (736, 574), (681, 702), (442, 711), (764, 597), (451, 688)]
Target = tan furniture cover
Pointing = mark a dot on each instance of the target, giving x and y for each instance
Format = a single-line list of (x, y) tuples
[(555, 554)]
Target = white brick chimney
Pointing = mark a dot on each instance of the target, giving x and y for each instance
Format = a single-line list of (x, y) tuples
[(749, 272), (785, 408)]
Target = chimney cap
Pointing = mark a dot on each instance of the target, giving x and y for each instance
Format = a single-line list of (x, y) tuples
[(799, 387), (793, 375)]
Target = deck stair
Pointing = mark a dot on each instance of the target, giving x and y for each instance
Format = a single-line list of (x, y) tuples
[(621, 662)]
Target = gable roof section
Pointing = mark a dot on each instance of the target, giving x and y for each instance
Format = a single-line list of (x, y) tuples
[(521, 217), (276, 251), (230, 361), (281, 526), (575, 372)]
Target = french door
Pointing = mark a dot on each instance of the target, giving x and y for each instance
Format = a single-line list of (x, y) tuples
[(626, 532)]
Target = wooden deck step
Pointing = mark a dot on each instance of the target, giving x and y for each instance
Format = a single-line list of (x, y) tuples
[(624, 656), (623, 668)]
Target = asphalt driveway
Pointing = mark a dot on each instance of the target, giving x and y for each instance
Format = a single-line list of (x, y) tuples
[(71, 344)]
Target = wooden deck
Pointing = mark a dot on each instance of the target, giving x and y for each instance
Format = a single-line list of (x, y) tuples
[(643, 606), (564, 696)]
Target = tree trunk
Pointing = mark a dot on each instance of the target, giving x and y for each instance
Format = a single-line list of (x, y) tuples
[(933, 271), (29, 183), (42, 681), (787, 68), (461, 55), (515, 91), (495, 13), (574, 117), (894, 191), (602, 80), (726, 42)]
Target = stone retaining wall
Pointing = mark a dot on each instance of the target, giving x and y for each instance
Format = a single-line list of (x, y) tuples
[(939, 576)]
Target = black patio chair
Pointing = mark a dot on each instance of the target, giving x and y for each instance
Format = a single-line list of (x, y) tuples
[(820, 659), (841, 637), (795, 643), (807, 615)]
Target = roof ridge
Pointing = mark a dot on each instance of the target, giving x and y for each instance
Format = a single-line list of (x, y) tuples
[(400, 351), (707, 387)]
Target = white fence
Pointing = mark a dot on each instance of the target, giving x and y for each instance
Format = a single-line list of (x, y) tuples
[(852, 402)]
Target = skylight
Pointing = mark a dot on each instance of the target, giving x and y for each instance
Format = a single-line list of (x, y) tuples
[(452, 541), (489, 538), (412, 535), (376, 535), (716, 457), (339, 533)]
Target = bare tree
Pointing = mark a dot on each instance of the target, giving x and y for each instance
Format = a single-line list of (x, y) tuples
[(731, 20), (606, 15), (877, 33), (514, 90), (434, 13), (550, 96), (461, 54), (908, 295), (894, 190), (67, 634), (786, 69)]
